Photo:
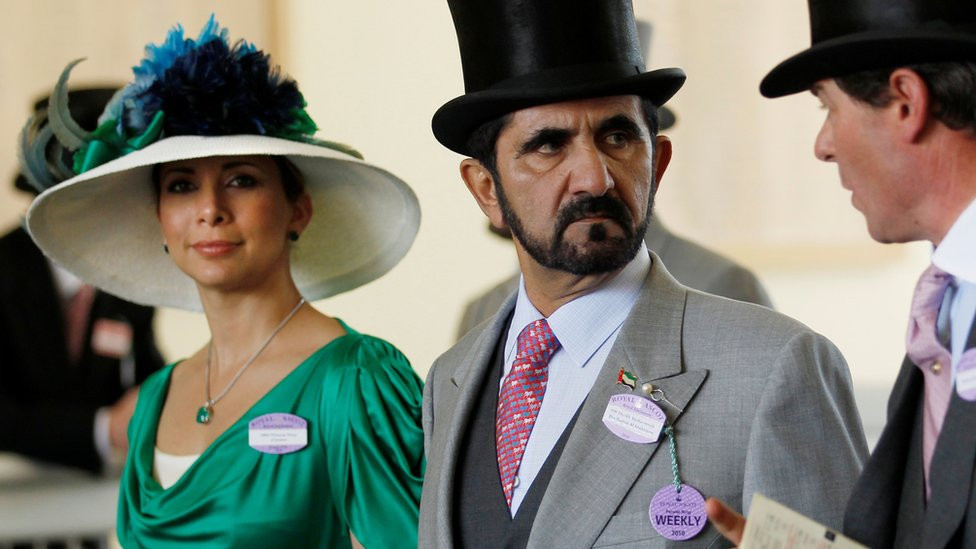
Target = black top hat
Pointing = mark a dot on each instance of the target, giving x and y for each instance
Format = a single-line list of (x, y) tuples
[(85, 105), (849, 36), (520, 53), (665, 116)]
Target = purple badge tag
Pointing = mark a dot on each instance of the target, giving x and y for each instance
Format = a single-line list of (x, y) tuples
[(277, 433), (634, 418), (678, 516), (966, 376)]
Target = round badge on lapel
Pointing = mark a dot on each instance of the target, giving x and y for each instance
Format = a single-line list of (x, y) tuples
[(678, 515)]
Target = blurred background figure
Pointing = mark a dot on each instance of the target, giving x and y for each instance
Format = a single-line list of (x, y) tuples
[(71, 360), (692, 264), (71, 356)]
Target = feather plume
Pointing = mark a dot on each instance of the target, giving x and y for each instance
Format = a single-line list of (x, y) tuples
[(113, 109), (184, 86), (32, 152), (60, 166), (217, 89), (65, 128)]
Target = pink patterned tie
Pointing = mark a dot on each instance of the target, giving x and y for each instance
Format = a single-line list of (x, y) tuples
[(520, 399), (932, 358)]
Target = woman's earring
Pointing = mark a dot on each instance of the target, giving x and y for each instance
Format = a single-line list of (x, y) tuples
[(165, 249), (293, 236)]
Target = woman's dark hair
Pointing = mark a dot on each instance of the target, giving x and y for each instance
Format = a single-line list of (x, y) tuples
[(292, 180), (952, 87)]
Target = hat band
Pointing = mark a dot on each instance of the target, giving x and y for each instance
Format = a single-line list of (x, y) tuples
[(822, 33), (573, 75)]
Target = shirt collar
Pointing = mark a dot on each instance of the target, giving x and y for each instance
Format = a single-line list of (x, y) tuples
[(585, 323), (954, 254)]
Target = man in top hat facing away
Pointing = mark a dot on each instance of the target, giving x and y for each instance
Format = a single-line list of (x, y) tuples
[(605, 398), (898, 80), (70, 355)]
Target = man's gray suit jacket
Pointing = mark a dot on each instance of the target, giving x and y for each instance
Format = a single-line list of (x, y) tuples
[(763, 404), (692, 264)]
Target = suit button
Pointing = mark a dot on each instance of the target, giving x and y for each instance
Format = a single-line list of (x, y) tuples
[(936, 368)]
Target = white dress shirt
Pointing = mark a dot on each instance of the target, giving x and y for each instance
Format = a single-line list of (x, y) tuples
[(586, 329), (956, 255)]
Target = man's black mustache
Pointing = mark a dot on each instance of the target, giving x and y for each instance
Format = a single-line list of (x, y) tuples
[(593, 206)]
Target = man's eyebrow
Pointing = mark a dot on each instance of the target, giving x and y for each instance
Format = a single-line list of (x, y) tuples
[(543, 136), (620, 122)]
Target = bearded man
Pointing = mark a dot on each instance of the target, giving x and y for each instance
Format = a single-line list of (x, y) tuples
[(545, 426)]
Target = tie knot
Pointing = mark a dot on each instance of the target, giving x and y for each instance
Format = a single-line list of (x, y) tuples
[(536, 341), (924, 346), (929, 291)]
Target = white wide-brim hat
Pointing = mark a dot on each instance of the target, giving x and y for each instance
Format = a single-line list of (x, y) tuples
[(102, 225)]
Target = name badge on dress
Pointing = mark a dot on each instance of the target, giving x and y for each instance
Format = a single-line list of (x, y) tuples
[(277, 433)]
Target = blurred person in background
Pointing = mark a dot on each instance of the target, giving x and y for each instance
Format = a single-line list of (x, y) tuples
[(71, 355)]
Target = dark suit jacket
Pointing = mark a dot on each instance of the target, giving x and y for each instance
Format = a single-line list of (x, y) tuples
[(887, 507), (48, 405)]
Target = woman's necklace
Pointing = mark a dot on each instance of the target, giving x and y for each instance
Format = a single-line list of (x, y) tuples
[(205, 413)]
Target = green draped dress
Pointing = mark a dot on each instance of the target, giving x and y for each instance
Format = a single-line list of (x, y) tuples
[(362, 469)]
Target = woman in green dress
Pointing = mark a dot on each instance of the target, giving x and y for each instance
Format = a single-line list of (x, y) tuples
[(203, 188)]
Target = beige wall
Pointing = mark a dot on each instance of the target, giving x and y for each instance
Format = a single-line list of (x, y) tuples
[(743, 178)]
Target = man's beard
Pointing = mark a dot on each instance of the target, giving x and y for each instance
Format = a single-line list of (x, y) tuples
[(602, 254)]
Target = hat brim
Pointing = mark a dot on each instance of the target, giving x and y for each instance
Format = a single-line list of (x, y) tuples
[(102, 225), (454, 122), (866, 51)]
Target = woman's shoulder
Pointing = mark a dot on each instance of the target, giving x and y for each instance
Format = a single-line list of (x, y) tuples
[(358, 361), (366, 352), (158, 380)]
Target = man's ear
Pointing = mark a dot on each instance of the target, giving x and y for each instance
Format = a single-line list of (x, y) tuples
[(910, 103), (481, 185), (662, 157)]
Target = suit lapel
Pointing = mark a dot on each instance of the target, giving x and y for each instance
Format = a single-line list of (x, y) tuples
[(597, 469), (951, 474), (872, 511), (468, 380), (951, 471)]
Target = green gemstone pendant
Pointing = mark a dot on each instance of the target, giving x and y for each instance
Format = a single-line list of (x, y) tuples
[(204, 414)]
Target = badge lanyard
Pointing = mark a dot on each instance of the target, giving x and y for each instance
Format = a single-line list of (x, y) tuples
[(677, 511)]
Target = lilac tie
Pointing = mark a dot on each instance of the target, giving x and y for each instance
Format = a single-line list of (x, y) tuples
[(520, 399), (931, 357)]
